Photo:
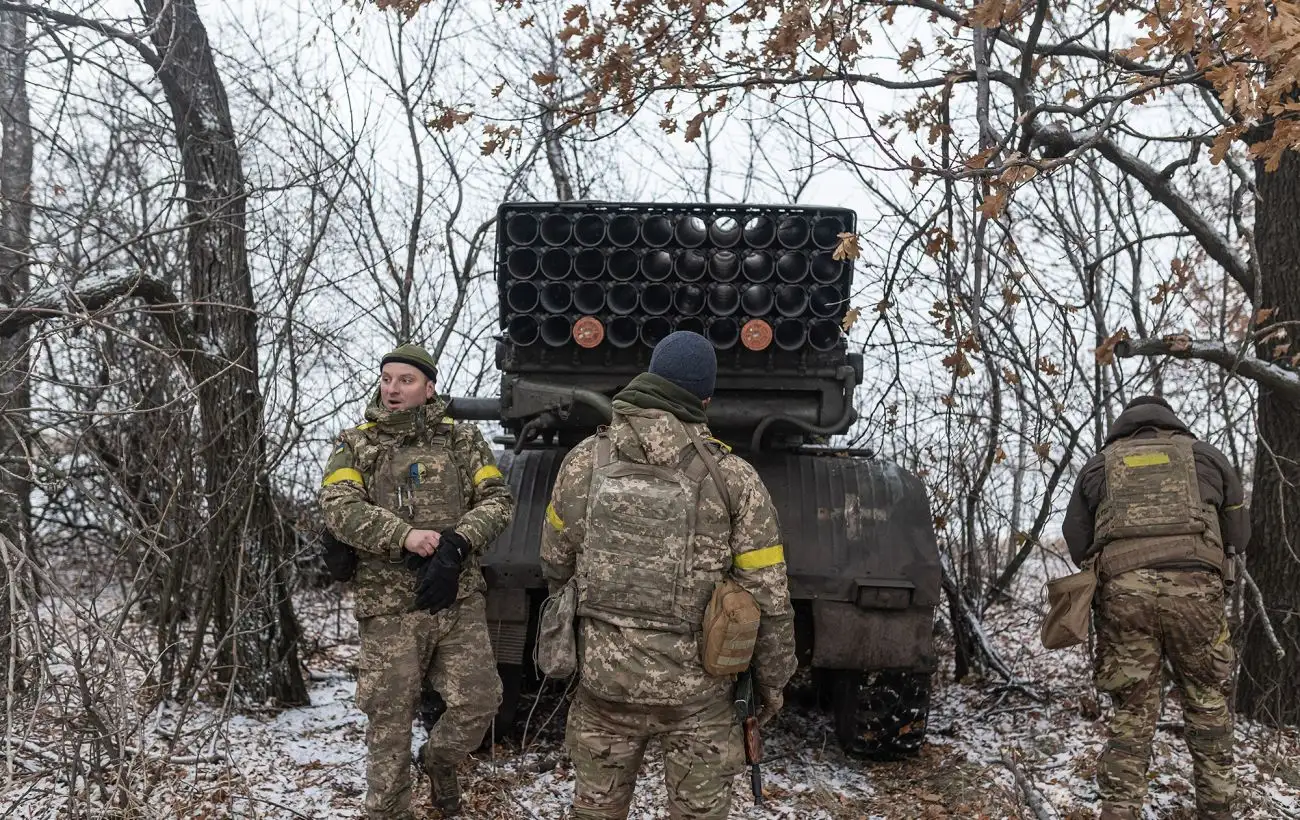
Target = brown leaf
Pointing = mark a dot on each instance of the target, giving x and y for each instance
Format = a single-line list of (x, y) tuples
[(1105, 352), (1017, 174), (849, 318), (994, 204), (695, 126), (1264, 314), (958, 364), (1043, 449), (847, 247), (981, 159), (544, 78)]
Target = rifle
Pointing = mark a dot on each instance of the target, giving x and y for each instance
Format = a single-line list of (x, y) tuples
[(747, 712)]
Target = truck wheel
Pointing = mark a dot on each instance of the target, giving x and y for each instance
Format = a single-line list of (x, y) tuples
[(880, 715)]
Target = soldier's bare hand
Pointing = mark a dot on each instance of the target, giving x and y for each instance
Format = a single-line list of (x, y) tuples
[(422, 542), (432, 540)]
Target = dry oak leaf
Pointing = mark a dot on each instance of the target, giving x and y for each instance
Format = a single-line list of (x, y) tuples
[(994, 204), (849, 318), (847, 247), (544, 78), (1105, 352)]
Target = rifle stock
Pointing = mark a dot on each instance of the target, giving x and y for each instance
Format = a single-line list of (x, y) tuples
[(747, 708)]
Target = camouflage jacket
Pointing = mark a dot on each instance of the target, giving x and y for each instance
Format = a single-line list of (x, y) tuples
[(404, 470), (654, 667)]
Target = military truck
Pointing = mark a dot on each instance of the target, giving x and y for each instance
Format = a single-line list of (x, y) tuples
[(585, 290)]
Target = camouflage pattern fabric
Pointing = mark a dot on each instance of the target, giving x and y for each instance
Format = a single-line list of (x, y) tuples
[(1144, 616), (655, 667), (702, 748), (404, 469), (452, 652)]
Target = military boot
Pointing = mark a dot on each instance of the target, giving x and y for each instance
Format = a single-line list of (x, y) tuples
[(444, 789)]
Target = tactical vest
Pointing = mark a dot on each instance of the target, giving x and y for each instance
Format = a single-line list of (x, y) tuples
[(637, 566), (421, 482), (1152, 514)]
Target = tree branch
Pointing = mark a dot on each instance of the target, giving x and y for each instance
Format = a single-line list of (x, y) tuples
[(98, 294), (1161, 190), (136, 41), (1266, 374)]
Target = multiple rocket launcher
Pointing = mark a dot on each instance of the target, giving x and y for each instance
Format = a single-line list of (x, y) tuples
[(592, 274)]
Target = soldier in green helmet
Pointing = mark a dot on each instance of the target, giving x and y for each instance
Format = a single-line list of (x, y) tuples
[(418, 496), (1163, 515)]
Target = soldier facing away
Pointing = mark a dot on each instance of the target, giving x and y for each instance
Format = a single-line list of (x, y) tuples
[(1163, 514), (638, 520), (419, 497)]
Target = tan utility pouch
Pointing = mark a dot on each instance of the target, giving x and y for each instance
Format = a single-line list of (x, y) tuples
[(556, 651), (730, 630), (1070, 608)]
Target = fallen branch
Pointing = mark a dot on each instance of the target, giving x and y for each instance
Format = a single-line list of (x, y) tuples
[(1033, 797), (976, 631), (1258, 598)]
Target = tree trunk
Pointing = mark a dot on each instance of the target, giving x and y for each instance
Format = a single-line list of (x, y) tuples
[(246, 590), (15, 246), (1269, 688)]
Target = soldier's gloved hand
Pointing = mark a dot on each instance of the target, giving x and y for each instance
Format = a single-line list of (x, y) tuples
[(414, 562), (770, 702), (439, 579), (340, 558)]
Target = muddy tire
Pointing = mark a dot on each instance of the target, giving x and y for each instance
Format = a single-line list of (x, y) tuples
[(880, 715)]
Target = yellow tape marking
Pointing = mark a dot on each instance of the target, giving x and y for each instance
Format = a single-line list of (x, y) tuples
[(757, 559), (343, 474)]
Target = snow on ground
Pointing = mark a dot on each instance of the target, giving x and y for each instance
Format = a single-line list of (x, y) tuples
[(309, 761)]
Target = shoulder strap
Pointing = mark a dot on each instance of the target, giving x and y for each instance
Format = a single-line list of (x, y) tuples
[(712, 464), (604, 450)]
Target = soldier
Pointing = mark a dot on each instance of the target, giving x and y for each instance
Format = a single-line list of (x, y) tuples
[(1164, 514), (407, 484), (638, 519)]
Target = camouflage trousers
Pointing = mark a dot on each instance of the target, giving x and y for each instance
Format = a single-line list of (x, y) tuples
[(451, 652), (1144, 616), (702, 748)]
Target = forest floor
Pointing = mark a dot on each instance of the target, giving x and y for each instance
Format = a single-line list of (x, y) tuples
[(309, 761)]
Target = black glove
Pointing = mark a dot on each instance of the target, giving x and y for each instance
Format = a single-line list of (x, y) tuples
[(439, 579), (413, 561), (340, 558)]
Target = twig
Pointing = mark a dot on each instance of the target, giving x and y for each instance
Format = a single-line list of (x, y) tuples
[(1258, 598), (1033, 797)]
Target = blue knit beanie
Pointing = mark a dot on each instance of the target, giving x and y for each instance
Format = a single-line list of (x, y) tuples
[(687, 360)]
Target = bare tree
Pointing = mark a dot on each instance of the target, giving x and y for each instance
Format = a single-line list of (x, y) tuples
[(245, 609), (15, 400)]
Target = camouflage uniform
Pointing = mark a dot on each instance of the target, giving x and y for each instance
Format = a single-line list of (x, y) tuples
[(637, 683), (1157, 507), (402, 470), (1143, 616)]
